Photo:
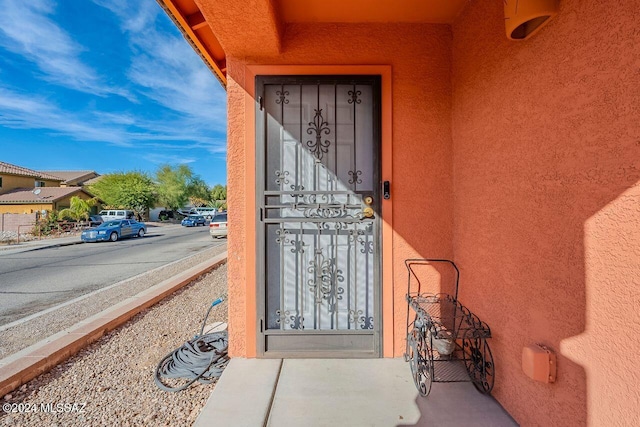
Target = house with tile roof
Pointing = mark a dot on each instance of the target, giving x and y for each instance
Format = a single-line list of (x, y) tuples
[(12, 177), (73, 178), (26, 191), (30, 200)]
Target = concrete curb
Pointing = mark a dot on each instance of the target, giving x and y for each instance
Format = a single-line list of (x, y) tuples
[(57, 245), (27, 364), (28, 247)]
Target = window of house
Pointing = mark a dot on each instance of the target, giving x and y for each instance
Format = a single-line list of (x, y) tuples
[(39, 183), (0, 182)]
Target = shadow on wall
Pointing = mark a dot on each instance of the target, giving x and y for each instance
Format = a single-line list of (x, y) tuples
[(547, 169)]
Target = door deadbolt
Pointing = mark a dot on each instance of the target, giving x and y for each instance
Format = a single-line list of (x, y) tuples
[(368, 200)]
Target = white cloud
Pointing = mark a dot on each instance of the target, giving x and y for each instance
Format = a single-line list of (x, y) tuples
[(28, 111), (166, 68), (161, 159), (131, 19), (26, 29)]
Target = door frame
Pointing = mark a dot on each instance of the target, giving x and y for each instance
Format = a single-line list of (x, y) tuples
[(244, 328)]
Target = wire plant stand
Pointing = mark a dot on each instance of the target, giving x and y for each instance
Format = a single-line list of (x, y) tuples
[(446, 342)]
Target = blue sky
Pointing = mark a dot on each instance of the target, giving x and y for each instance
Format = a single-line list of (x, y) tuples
[(105, 85)]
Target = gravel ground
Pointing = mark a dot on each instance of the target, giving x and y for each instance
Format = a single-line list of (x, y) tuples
[(113, 378), (21, 336)]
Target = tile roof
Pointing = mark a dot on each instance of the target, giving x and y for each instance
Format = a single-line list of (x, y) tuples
[(46, 195), (72, 176), (8, 168), (93, 180)]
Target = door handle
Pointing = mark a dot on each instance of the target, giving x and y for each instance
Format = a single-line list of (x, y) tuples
[(368, 212)]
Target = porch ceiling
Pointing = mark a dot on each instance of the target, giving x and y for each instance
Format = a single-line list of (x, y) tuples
[(218, 28), (358, 11)]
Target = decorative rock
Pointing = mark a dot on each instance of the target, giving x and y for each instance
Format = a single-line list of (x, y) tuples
[(106, 378)]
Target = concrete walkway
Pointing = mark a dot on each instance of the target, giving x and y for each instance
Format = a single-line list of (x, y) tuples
[(339, 392)]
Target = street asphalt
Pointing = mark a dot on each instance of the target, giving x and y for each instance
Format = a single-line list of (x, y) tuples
[(35, 277)]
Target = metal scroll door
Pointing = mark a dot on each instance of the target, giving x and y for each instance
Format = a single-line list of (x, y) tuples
[(318, 194)]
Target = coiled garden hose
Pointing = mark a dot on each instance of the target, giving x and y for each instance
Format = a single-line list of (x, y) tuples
[(201, 359)]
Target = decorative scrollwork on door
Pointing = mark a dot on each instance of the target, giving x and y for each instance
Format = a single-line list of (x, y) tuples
[(325, 277), (318, 127), (355, 177), (282, 177), (354, 94), (282, 97)]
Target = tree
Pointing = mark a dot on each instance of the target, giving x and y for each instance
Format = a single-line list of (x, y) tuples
[(199, 194), (198, 189), (79, 209), (177, 184), (219, 192), (198, 202), (126, 190)]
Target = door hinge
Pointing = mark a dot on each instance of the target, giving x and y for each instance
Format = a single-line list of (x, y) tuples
[(261, 215), (261, 103), (261, 326)]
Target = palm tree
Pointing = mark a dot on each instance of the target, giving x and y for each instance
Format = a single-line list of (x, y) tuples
[(79, 209)]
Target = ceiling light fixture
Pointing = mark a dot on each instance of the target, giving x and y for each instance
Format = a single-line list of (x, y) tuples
[(524, 18)]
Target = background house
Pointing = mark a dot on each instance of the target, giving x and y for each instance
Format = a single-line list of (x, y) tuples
[(12, 177), (25, 193), (74, 178), (40, 199)]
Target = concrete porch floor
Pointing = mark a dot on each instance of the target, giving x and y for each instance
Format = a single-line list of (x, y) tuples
[(339, 392)]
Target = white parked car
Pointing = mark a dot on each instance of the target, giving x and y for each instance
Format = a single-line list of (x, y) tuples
[(108, 215), (207, 213), (218, 225)]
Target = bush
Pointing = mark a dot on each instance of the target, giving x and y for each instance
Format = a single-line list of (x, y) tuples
[(46, 224)]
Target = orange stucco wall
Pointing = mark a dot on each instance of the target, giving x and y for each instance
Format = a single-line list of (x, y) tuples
[(420, 61), (546, 137)]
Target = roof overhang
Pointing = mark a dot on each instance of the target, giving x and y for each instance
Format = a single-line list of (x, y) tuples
[(217, 29), (47, 195), (190, 21)]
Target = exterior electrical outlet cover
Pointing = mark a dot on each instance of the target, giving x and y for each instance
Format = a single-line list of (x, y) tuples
[(539, 363)]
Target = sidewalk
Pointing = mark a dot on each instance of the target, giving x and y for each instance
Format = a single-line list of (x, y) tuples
[(40, 244), (341, 392)]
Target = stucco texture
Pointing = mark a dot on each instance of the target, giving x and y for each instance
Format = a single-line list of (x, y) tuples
[(546, 148), (420, 57), (237, 189)]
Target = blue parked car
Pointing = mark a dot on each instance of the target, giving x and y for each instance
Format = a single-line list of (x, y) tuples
[(113, 230), (193, 221)]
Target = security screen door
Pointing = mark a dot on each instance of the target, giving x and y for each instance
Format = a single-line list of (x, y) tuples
[(318, 145)]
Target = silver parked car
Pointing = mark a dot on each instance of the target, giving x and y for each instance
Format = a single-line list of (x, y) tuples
[(218, 226)]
